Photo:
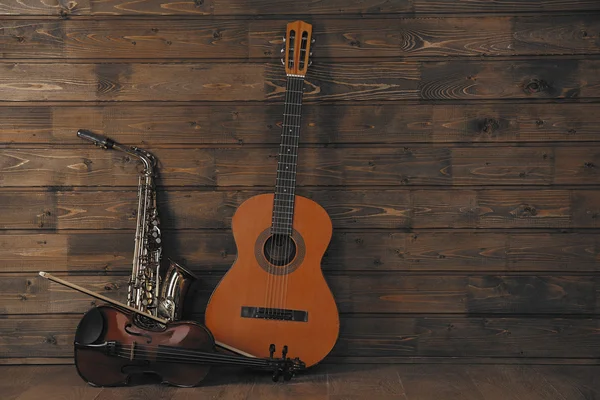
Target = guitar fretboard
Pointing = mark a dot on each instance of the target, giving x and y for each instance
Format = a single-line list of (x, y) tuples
[(285, 187)]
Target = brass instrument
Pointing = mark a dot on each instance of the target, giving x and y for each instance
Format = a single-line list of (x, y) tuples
[(147, 293)]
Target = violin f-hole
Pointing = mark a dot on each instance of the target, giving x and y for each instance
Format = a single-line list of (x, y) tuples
[(131, 332)]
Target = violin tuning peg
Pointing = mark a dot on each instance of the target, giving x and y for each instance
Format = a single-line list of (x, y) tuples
[(284, 352)]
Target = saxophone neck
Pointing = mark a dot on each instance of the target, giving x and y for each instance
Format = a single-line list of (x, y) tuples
[(144, 156)]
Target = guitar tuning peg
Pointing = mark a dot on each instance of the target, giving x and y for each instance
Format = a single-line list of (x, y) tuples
[(310, 54), (282, 50), (309, 63), (282, 62), (284, 39), (312, 40)]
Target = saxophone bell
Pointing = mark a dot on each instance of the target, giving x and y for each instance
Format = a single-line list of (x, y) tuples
[(174, 287)]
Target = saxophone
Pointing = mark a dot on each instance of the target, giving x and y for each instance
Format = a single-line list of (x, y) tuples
[(146, 292)]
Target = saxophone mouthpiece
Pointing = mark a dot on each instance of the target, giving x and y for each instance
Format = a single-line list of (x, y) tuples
[(98, 140)]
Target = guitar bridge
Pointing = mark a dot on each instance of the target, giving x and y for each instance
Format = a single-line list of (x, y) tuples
[(280, 314)]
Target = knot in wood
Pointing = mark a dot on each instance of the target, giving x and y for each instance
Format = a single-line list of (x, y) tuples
[(528, 210), (50, 339), (489, 125), (198, 3), (536, 86), (589, 165)]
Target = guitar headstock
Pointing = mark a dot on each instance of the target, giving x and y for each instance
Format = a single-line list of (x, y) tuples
[(297, 48)]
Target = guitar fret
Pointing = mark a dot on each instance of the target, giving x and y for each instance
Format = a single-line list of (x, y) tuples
[(283, 204)]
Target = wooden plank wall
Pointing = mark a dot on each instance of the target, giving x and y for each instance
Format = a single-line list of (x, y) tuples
[(455, 144)]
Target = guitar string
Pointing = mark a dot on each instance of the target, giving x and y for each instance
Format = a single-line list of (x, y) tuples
[(296, 97), (297, 117), (276, 223), (285, 175)]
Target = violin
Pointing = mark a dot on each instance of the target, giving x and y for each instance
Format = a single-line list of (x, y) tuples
[(116, 341), (112, 345)]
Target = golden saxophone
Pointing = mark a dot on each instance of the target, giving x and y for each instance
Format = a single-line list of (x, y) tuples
[(148, 292)]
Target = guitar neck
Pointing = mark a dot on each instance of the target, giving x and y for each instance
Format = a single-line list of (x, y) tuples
[(285, 187)]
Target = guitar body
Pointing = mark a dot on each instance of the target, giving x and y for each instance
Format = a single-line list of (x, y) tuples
[(275, 292)]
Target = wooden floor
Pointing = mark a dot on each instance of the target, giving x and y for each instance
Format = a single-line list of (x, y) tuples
[(373, 382)]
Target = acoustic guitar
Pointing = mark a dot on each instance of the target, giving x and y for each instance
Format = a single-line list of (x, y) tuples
[(275, 292)]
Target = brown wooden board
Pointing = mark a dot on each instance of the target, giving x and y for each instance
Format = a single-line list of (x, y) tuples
[(419, 165), (481, 252), (164, 124), (230, 39), (360, 81), (356, 209), (410, 336), (354, 293), (155, 8)]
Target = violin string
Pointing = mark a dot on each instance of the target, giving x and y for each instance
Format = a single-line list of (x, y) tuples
[(199, 360), (184, 351), (191, 355)]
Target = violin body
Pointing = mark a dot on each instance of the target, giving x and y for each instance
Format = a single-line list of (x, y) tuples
[(304, 314), (106, 324)]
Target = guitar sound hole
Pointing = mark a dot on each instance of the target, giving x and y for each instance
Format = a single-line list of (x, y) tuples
[(280, 250)]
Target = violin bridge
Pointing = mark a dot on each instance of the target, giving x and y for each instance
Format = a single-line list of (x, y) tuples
[(132, 352)]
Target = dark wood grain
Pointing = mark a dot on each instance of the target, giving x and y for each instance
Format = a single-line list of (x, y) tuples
[(507, 6), (175, 39), (535, 79), (387, 209), (379, 81), (240, 124), (578, 167), (155, 8), (332, 382), (110, 252), (467, 337), (347, 167), (354, 293)]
